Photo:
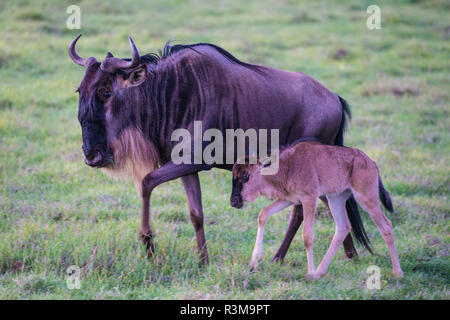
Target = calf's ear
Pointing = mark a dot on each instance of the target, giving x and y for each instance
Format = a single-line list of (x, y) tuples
[(265, 163), (135, 78)]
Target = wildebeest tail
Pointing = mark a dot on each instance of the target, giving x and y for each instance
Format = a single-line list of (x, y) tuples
[(352, 208), (384, 196), (357, 226), (346, 117)]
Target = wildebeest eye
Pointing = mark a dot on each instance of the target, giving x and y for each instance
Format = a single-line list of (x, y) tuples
[(104, 93), (245, 177)]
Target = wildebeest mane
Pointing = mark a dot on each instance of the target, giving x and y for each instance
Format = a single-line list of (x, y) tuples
[(169, 49)]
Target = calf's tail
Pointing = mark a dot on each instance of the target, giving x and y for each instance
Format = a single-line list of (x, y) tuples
[(384, 196)]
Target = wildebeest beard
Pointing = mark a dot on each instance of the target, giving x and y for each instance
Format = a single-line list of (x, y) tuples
[(134, 156)]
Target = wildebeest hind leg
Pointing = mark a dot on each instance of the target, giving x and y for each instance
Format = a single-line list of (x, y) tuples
[(191, 184)]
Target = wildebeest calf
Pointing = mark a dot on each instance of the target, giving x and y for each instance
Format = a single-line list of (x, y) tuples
[(307, 171)]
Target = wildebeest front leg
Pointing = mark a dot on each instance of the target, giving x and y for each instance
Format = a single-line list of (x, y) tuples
[(167, 172), (191, 184), (146, 231)]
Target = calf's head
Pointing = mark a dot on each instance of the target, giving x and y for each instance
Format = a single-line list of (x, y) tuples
[(246, 184), (106, 102)]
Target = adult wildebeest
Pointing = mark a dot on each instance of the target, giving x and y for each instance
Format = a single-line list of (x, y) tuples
[(307, 170), (128, 109)]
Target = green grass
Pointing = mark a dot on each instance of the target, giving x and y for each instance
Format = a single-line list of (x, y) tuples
[(56, 212)]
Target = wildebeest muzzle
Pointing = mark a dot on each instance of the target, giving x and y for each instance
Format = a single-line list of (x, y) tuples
[(236, 201), (236, 198), (95, 150)]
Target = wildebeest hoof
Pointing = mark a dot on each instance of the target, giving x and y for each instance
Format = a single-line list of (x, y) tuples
[(204, 260), (350, 256), (147, 240), (277, 259)]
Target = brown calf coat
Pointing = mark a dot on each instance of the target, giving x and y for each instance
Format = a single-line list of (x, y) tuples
[(307, 171)]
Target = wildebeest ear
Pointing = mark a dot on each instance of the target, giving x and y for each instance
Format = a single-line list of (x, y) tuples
[(136, 77)]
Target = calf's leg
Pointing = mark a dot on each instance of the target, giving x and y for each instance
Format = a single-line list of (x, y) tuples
[(349, 247), (309, 209), (369, 201), (295, 220), (265, 214), (191, 184), (337, 207)]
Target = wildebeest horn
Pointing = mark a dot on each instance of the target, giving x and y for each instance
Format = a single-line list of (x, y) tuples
[(111, 64), (75, 57), (73, 54)]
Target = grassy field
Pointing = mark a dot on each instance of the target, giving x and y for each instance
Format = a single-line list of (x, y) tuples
[(56, 212)]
